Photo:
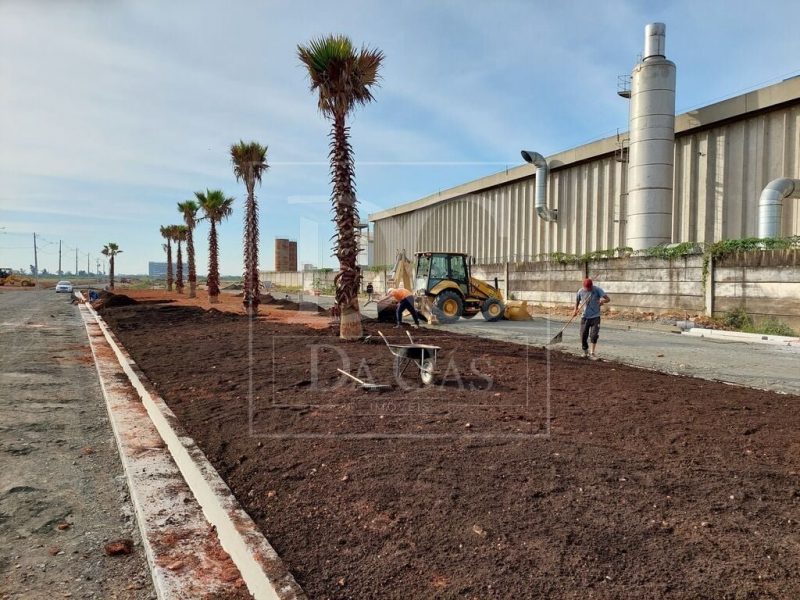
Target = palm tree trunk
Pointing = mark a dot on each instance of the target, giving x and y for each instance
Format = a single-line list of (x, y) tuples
[(213, 264), (251, 296), (192, 271), (169, 265), (111, 273), (179, 278), (348, 279)]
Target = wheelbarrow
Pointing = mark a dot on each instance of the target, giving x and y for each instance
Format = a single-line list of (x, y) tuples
[(423, 356)]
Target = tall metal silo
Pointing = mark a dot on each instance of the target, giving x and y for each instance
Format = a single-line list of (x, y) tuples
[(652, 144)]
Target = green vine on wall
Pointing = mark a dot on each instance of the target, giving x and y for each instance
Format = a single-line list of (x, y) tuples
[(721, 249), (715, 251)]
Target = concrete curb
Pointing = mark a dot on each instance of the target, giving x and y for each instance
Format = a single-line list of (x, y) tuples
[(739, 336), (260, 567)]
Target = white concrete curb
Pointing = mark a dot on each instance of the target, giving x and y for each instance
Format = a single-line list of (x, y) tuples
[(738, 336), (262, 570)]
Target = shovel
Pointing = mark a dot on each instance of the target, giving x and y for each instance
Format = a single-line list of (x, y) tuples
[(557, 338)]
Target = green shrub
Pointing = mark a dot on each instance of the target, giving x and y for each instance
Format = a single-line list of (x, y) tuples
[(737, 318), (772, 326)]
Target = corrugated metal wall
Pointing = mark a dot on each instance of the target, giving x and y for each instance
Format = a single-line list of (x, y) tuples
[(719, 174)]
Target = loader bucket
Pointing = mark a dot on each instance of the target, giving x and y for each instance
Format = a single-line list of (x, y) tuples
[(517, 310)]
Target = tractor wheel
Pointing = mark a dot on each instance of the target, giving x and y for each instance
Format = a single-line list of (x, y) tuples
[(492, 309), (448, 306)]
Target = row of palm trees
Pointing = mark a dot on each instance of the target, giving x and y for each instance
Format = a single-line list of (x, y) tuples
[(342, 76), (215, 207)]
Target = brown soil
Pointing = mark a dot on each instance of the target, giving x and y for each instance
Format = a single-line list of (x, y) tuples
[(649, 485)]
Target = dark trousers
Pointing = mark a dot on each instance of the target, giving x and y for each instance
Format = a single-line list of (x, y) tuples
[(406, 304), (590, 329)]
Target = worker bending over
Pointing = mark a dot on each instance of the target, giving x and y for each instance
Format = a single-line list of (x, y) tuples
[(405, 302), (591, 298)]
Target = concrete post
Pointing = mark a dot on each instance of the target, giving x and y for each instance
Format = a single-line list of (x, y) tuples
[(709, 291)]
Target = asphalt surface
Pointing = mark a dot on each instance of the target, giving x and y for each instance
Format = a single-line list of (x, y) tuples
[(63, 495), (755, 365)]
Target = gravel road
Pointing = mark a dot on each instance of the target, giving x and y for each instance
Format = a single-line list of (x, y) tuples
[(63, 495)]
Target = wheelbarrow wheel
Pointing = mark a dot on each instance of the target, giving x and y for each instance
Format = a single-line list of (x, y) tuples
[(426, 371)]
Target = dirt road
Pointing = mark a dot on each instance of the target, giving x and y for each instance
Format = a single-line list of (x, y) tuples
[(63, 495)]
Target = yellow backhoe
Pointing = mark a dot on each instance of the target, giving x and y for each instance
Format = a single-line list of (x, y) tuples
[(445, 290)]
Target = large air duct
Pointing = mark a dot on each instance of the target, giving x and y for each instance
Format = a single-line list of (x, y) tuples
[(652, 145), (771, 202), (542, 177)]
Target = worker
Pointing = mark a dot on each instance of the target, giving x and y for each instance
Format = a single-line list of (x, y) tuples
[(590, 297), (405, 302), (370, 291)]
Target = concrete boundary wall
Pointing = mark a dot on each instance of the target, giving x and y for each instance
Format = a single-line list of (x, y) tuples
[(765, 283)]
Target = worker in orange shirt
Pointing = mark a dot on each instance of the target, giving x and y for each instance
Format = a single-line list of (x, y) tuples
[(405, 302)]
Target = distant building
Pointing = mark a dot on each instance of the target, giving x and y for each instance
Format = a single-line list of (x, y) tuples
[(158, 270), (285, 255), (365, 243)]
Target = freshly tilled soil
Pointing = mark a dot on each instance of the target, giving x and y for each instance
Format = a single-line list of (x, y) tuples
[(634, 484)]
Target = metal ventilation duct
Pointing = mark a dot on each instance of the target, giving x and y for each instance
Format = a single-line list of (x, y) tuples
[(542, 177), (771, 202), (652, 144)]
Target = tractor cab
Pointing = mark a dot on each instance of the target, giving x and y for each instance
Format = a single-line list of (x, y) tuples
[(435, 267), (445, 290)]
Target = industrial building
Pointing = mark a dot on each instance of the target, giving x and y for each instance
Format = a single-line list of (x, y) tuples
[(285, 255), (724, 171), (158, 270)]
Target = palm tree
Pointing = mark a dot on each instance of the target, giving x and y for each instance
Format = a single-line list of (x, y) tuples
[(216, 207), (110, 250), (189, 211), (179, 235), (249, 164), (343, 76), (166, 233)]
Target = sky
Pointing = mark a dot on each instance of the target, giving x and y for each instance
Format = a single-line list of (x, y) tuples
[(113, 111)]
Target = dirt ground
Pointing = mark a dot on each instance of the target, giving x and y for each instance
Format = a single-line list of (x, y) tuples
[(647, 486), (63, 494)]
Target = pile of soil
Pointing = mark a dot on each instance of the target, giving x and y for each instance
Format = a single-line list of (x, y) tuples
[(649, 485), (285, 304), (109, 300)]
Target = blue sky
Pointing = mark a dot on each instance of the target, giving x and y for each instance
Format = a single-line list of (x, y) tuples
[(111, 112)]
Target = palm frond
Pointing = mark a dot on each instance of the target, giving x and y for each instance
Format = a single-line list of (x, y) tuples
[(340, 74), (215, 205), (249, 161)]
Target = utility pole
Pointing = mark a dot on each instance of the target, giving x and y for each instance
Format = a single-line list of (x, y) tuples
[(59, 258), (88, 268), (76, 262), (35, 260)]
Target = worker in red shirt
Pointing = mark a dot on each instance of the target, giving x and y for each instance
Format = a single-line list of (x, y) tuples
[(405, 302)]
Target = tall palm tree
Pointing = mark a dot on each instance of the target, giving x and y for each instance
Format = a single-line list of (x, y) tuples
[(343, 76), (166, 233), (179, 235), (110, 250), (189, 211), (216, 207), (249, 164)]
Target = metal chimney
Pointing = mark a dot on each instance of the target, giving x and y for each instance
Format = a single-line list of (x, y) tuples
[(652, 144)]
